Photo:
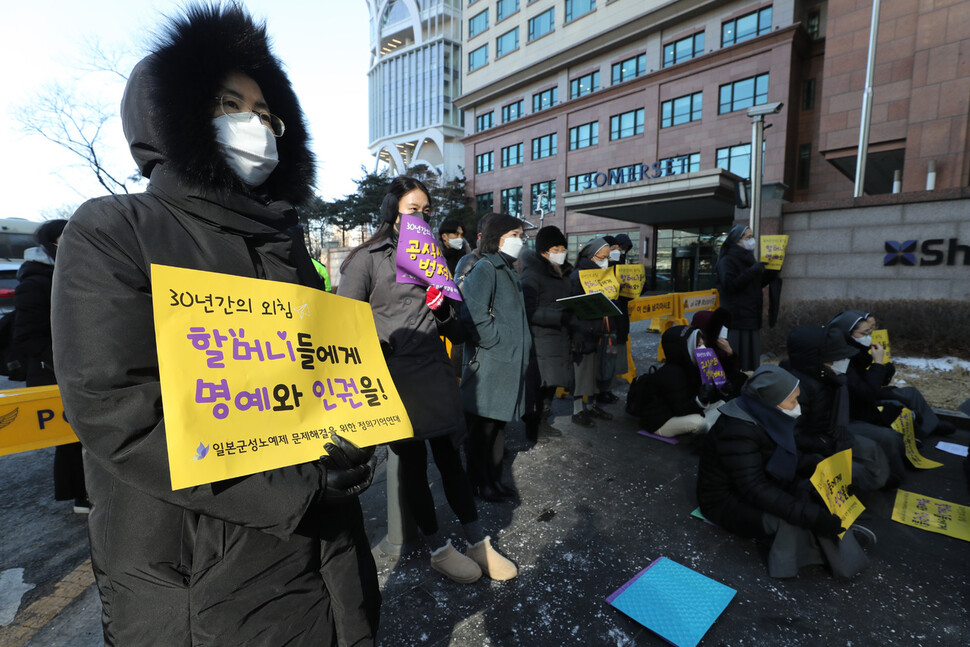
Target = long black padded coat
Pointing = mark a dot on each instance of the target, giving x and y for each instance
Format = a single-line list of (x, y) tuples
[(246, 561), (542, 285), (740, 282)]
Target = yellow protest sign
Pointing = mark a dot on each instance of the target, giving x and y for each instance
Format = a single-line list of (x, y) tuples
[(32, 418), (905, 424), (651, 307), (694, 301), (600, 281), (258, 374), (773, 251), (931, 514), (881, 337), (832, 479), (631, 279)]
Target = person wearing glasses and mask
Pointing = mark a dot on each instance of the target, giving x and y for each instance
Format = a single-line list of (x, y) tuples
[(278, 557)]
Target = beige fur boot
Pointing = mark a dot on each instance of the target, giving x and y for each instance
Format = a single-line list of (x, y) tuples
[(494, 564), (448, 561)]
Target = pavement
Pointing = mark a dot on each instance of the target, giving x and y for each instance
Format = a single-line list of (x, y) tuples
[(595, 507)]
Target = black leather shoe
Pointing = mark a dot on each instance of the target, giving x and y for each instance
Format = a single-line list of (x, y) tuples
[(596, 412), (504, 490), (549, 431), (606, 397), (583, 419), (490, 494)]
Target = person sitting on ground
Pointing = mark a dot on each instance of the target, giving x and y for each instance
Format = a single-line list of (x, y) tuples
[(753, 481), (872, 399), (714, 325), (678, 401), (819, 357)]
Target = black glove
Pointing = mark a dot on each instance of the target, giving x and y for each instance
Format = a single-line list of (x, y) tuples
[(707, 393), (348, 469), (726, 391), (829, 526)]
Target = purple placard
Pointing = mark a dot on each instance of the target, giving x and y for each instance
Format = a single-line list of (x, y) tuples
[(710, 368), (419, 259), (672, 441), (636, 577)]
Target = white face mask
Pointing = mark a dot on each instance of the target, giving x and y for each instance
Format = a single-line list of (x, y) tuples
[(794, 413), (865, 341), (557, 258), (248, 146), (456, 243), (511, 247), (615, 255), (841, 366), (749, 244), (605, 263)]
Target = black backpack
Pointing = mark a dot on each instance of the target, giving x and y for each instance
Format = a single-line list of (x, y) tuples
[(12, 364), (642, 390)]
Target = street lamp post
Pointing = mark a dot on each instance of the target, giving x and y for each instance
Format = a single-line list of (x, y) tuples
[(757, 114)]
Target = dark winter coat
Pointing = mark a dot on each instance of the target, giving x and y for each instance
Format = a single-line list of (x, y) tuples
[(410, 334), (32, 323), (734, 488), (542, 285), (493, 375), (740, 279), (232, 562), (676, 382), (586, 333), (868, 381)]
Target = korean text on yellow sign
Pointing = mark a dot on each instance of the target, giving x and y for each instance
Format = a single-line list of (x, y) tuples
[(600, 281), (881, 337), (906, 425), (832, 479), (631, 279), (651, 307), (32, 418), (258, 374), (700, 300), (773, 251), (931, 514)]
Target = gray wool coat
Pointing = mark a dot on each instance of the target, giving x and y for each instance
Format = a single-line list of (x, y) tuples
[(493, 373)]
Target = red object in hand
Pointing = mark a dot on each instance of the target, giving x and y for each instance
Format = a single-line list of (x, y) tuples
[(434, 298)]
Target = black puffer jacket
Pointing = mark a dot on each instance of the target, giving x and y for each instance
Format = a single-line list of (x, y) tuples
[(675, 384), (233, 562), (542, 285), (32, 323), (740, 279), (867, 381), (586, 333), (734, 488)]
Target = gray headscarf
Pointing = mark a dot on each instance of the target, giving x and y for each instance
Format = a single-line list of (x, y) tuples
[(589, 249)]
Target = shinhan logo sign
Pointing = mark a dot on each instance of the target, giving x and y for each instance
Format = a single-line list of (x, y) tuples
[(904, 253)]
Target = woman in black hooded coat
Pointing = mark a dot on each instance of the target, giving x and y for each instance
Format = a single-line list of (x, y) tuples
[(278, 557)]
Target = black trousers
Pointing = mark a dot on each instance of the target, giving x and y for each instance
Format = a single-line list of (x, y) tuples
[(485, 449)]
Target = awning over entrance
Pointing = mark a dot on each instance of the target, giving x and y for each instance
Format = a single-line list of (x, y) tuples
[(687, 197)]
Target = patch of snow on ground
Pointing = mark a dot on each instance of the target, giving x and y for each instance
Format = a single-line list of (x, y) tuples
[(933, 364)]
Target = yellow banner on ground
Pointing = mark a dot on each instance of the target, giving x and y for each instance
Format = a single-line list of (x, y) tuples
[(931, 514), (32, 418), (832, 479), (881, 337), (631, 279), (258, 374), (651, 307), (773, 251), (906, 425), (600, 281)]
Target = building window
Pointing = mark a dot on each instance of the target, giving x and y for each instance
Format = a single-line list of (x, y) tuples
[(507, 42), (484, 122), (743, 94), (512, 111), (680, 164), (483, 203), (506, 8), (546, 201), (477, 58), (627, 124), (804, 165), (683, 49), (622, 174), (736, 159), (585, 135), (585, 84), (485, 162), (542, 24), (477, 24), (681, 110), (512, 155), (808, 94), (629, 69), (545, 146), (579, 182), (512, 201), (577, 8), (746, 27), (545, 99), (814, 25)]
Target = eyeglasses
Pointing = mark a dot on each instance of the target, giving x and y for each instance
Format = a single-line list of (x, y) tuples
[(237, 109)]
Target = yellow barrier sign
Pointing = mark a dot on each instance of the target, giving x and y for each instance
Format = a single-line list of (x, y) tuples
[(773, 251), (631, 279), (881, 337), (32, 418), (694, 301), (600, 281), (651, 307), (906, 425), (832, 479), (931, 514), (257, 374)]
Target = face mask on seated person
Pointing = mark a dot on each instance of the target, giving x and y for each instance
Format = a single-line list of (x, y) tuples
[(864, 341), (841, 366), (794, 413)]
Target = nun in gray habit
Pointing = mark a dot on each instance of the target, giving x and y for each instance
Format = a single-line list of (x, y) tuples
[(753, 482)]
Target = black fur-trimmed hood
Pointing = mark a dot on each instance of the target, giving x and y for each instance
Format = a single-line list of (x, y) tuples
[(167, 106)]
